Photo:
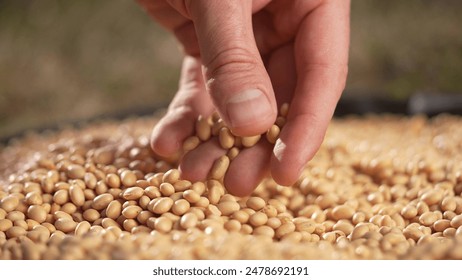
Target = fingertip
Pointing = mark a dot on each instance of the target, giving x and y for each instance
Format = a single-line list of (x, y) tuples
[(282, 170), (196, 164), (166, 138), (169, 133), (248, 169), (284, 175), (297, 144), (161, 143)]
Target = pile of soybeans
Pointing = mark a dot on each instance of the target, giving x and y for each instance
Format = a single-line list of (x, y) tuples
[(380, 187)]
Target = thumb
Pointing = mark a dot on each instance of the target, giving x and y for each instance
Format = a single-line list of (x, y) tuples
[(235, 75)]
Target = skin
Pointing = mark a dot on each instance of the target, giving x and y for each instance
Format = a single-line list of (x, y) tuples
[(244, 59)]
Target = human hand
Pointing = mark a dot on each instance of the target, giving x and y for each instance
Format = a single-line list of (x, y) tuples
[(242, 59)]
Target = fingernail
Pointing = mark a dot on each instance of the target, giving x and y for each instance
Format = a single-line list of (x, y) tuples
[(246, 107)]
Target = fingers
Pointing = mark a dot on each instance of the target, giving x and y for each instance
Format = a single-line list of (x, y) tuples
[(197, 163), (248, 169), (190, 102), (321, 48), (244, 173), (281, 69), (235, 75)]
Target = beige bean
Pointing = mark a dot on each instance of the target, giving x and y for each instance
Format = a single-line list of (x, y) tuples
[(108, 222), (91, 215), (215, 191), (65, 225), (232, 225), (358, 217), (69, 208), (33, 198), (228, 207), (456, 221), (212, 210), (219, 168), (131, 212), (38, 234), (15, 216), (458, 232), (21, 223), (143, 216), (203, 202), (256, 203), (258, 219), (285, 229), (188, 220), (246, 229), (37, 213), (9, 203), (76, 195), (61, 197), (409, 212), (191, 196), (114, 209), (162, 205), (232, 153), (441, 225), (82, 228), (75, 171), (241, 216), (199, 187), (273, 134), (428, 218), (449, 215), (191, 143), (250, 141), (163, 224), (61, 214), (182, 185), (102, 201), (171, 176), (31, 224), (343, 226), (359, 231), (280, 207), (152, 192), (422, 207), (342, 212), (413, 233), (432, 197), (143, 201), (15, 231), (166, 189), (180, 207), (128, 178), (264, 230), (216, 126), (226, 138), (5, 224), (449, 232), (448, 204), (133, 193), (129, 224), (112, 180), (203, 128)]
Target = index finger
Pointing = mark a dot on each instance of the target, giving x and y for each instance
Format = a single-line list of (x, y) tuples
[(321, 51)]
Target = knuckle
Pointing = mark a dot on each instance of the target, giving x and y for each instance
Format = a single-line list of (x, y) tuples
[(234, 59)]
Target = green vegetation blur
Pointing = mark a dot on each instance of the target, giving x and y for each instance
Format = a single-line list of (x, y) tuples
[(64, 60)]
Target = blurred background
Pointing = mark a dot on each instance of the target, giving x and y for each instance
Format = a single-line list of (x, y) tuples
[(64, 60)]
